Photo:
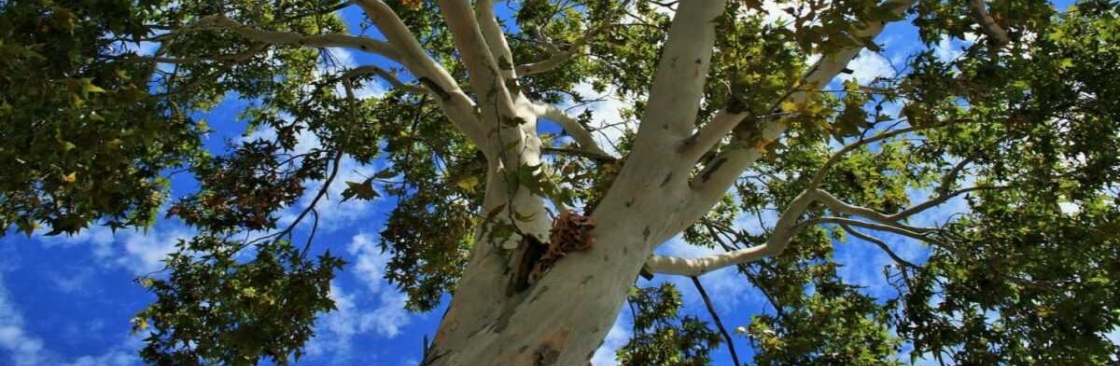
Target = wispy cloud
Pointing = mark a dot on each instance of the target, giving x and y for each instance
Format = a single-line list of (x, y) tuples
[(376, 309), (139, 251), (26, 349)]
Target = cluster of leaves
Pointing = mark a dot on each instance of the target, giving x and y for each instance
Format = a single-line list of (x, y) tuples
[(832, 323), (215, 306), (661, 335), (244, 190), (83, 140), (1022, 281)]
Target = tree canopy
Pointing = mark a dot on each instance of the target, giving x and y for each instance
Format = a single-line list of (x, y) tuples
[(98, 106)]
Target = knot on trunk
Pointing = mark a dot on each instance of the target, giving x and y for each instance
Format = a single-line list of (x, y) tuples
[(571, 232)]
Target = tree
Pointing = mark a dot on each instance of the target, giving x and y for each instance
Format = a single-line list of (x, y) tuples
[(539, 237)]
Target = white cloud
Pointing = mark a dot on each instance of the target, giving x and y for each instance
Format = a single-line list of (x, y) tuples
[(868, 66), (25, 349), (607, 120), (369, 262), (384, 317), (139, 251), (948, 49)]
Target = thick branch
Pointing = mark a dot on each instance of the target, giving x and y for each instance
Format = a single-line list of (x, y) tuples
[(292, 38), (678, 86), (988, 25), (710, 134), (779, 239), (389, 77), (573, 128), (495, 38), (471, 44), (455, 104), (725, 168)]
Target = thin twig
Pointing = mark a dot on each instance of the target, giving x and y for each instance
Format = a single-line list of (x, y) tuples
[(715, 318)]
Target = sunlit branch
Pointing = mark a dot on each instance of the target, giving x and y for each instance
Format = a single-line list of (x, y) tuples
[(838, 206), (779, 239), (573, 128), (388, 77), (495, 38), (568, 52), (710, 134), (923, 236), (456, 105), (988, 24), (291, 38), (717, 177)]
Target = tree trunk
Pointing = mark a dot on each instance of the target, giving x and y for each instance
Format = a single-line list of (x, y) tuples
[(564, 317)]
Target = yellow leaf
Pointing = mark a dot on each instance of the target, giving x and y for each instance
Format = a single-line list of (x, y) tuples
[(468, 184), (139, 324), (70, 178), (761, 144), (789, 106)]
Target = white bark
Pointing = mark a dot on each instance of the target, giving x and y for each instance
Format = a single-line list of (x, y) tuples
[(779, 239), (455, 104), (292, 38), (988, 25), (530, 328), (562, 318), (714, 181), (572, 127)]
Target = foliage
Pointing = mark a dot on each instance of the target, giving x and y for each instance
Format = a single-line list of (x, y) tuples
[(661, 335), (92, 127)]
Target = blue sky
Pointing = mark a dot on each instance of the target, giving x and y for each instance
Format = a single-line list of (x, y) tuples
[(68, 300)]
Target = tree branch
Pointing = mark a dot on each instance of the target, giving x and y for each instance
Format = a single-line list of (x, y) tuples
[(577, 152), (292, 38), (678, 86), (715, 319), (456, 105), (495, 38), (717, 177), (573, 128), (779, 239), (389, 77), (996, 35), (923, 236), (570, 51), (838, 206), (710, 134), (232, 58), (880, 244)]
